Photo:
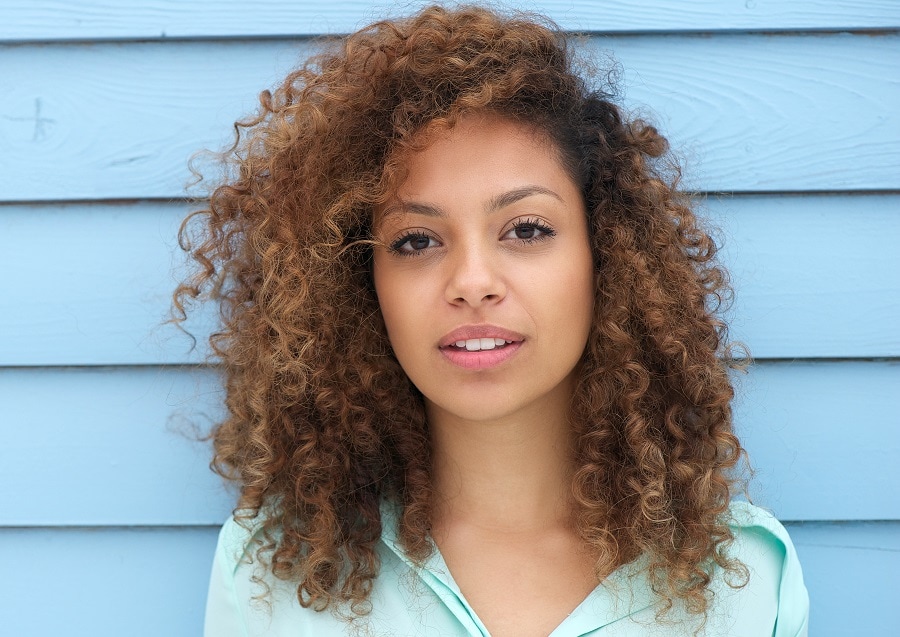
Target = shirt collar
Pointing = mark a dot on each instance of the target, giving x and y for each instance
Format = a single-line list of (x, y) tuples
[(623, 593)]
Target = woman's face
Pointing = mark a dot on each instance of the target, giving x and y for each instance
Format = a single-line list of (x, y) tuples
[(484, 274)]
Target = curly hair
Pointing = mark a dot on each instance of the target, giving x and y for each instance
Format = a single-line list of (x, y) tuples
[(322, 423)]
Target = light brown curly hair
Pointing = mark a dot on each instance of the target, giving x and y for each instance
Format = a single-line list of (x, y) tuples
[(322, 423)]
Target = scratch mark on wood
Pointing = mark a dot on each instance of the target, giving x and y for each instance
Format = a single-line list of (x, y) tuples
[(129, 160), (40, 122)]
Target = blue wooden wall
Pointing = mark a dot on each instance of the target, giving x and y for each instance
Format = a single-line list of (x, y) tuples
[(785, 111)]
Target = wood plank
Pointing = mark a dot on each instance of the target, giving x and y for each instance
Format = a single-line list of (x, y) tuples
[(106, 446), (85, 582), (818, 433), (771, 112), (49, 20), (103, 297), (802, 288), (166, 571), (865, 554), (112, 121), (123, 443)]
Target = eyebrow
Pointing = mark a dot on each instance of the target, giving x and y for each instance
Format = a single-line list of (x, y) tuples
[(512, 196), (497, 202)]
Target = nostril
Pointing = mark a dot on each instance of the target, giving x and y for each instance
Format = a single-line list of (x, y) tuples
[(473, 282)]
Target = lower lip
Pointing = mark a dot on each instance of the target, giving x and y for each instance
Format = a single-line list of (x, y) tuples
[(481, 359)]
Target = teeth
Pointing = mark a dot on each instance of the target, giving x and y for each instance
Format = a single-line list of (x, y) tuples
[(478, 344)]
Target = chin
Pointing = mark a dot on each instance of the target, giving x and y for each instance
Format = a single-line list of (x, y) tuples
[(475, 409)]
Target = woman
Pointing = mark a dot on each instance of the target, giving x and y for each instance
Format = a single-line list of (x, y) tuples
[(475, 380)]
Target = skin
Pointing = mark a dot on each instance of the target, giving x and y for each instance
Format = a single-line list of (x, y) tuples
[(489, 229)]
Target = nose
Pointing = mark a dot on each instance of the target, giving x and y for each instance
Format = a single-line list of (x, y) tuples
[(475, 276)]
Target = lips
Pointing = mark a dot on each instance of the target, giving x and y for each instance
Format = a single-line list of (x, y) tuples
[(477, 347)]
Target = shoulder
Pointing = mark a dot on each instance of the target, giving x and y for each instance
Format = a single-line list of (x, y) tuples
[(244, 598), (225, 614), (236, 542), (775, 586), (761, 541)]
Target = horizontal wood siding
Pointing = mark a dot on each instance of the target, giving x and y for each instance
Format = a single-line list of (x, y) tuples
[(140, 582), (803, 288), (120, 121), (124, 440), (105, 582), (785, 111), (852, 570), (98, 19)]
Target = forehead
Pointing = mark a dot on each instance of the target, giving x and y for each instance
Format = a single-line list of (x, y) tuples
[(480, 151)]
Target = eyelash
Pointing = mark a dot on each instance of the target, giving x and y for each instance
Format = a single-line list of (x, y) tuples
[(546, 232), (396, 247)]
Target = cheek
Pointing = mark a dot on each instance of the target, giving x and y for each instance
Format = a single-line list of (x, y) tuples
[(573, 302), (397, 297)]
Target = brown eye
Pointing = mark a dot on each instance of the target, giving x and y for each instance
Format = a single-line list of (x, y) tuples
[(529, 231), (413, 243), (525, 232), (419, 242)]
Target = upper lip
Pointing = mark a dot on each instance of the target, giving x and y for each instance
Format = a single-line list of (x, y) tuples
[(466, 332)]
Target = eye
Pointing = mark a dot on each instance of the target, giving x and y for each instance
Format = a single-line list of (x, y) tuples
[(529, 231), (412, 243)]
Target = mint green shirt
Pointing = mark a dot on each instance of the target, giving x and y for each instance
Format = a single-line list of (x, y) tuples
[(407, 600)]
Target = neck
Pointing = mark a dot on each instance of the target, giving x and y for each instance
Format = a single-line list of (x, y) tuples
[(511, 474)]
